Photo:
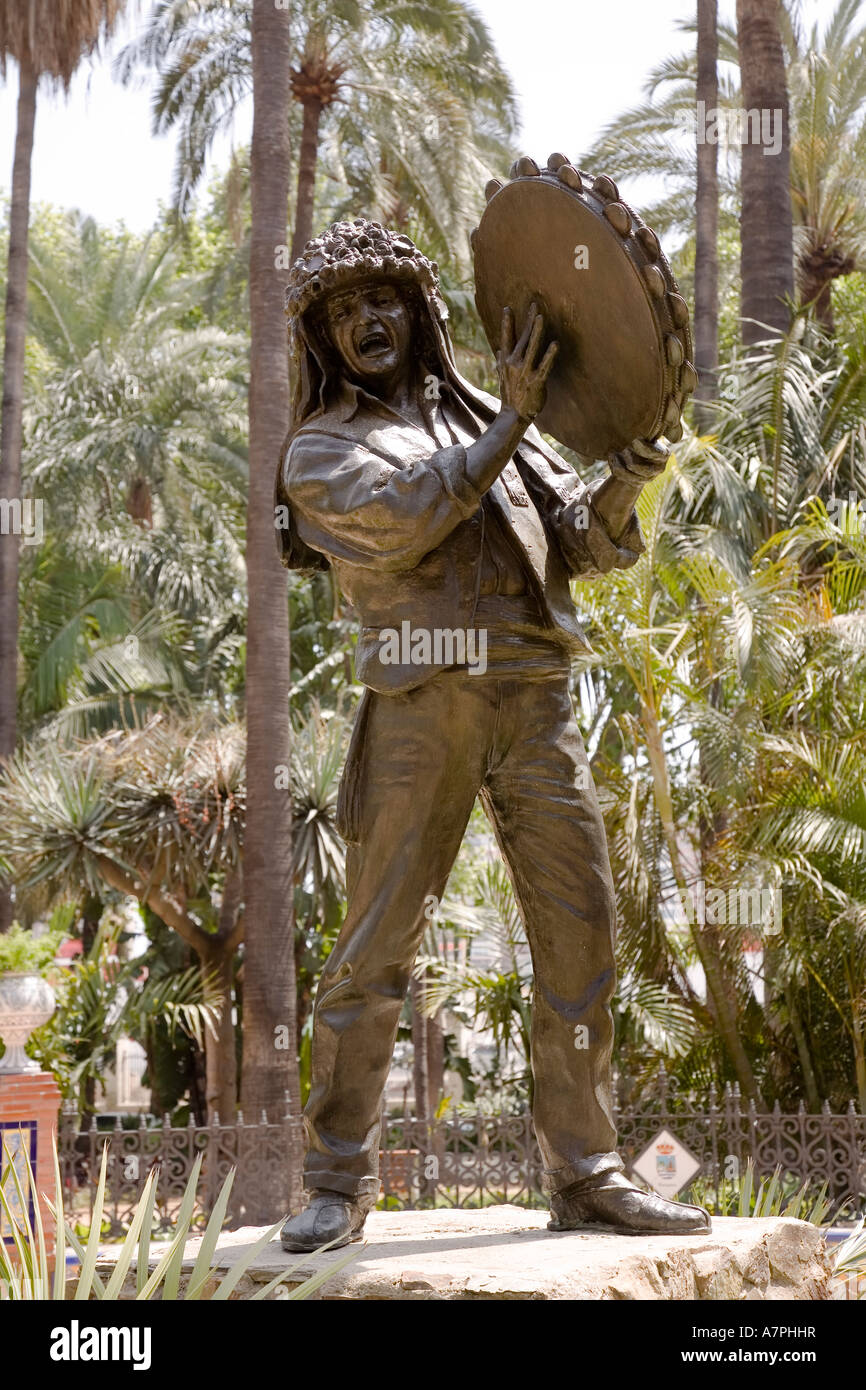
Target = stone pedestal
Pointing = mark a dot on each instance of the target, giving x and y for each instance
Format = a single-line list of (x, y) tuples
[(29, 1105), (506, 1252)]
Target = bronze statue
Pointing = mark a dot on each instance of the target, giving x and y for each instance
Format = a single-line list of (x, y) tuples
[(445, 514)]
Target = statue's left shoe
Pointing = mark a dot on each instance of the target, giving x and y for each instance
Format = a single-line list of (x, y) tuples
[(617, 1205)]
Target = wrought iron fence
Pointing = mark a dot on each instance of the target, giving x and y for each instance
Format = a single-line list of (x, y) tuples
[(266, 1157), (461, 1159)]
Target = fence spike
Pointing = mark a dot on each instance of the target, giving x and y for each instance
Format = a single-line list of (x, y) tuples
[(777, 1109), (240, 1116), (264, 1116), (852, 1108), (117, 1125), (825, 1108), (215, 1121), (141, 1120), (801, 1108), (166, 1120)]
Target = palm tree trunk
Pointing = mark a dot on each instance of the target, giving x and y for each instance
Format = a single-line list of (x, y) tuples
[(307, 161), (10, 424), (420, 1075), (720, 994), (818, 269), (219, 1046), (435, 1061), (707, 222), (766, 226), (269, 1070), (813, 1097)]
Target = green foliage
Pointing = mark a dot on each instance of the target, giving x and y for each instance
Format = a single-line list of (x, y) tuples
[(30, 1278), (778, 1195), (135, 442), (416, 109), (21, 951), (849, 1258), (102, 998), (826, 79)]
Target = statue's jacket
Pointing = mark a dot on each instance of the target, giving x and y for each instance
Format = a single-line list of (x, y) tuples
[(402, 524)]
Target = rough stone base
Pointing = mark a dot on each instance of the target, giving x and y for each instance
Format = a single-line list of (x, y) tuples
[(507, 1252)]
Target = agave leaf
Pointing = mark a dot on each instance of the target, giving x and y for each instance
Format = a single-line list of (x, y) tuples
[(766, 1204), (18, 1240), (227, 1284), (124, 1258), (744, 1207), (317, 1280), (310, 1285), (184, 1218), (42, 1280), (88, 1264), (59, 1294), (178, 1242), (202, 1266), (795, 1205), (23, 1235), (820, 1207), (144, 1241), (850, 1256), (237, 1270), (97, 1286)]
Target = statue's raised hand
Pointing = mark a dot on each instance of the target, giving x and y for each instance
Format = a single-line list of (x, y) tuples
[(522, 382)]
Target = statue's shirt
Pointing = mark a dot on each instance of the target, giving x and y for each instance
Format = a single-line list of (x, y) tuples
[(519, 641), (413, 542)]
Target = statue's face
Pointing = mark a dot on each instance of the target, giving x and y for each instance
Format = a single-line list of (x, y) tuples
[(371, 327)]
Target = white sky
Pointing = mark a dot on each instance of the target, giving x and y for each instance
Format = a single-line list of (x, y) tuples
[(576, 64)]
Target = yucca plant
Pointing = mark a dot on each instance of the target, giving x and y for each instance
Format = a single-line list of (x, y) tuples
[(772, 1196), (850, 1258), (28, 1277)]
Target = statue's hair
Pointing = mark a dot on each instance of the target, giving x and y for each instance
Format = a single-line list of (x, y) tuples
[(349, 251)]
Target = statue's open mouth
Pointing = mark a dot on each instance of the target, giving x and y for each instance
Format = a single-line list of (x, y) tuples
[(373, 343)]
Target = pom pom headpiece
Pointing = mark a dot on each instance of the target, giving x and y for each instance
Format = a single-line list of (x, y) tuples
[(350, 251)]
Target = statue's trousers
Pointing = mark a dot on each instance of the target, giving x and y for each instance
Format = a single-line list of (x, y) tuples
[(424, 757)]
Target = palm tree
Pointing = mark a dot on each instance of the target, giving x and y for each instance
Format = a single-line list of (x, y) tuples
[(766, 223), (826, 77), (270, 1000), (47, 38), (319, 741), (103, 998), (706, 316), (157, 816), (827, 80), (135, 439), (766, 226), (409, 103), (646, 138)]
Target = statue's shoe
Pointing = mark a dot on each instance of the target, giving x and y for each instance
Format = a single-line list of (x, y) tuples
[(331, 1218), (617, 1205)]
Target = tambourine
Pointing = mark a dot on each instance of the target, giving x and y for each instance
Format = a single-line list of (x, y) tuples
[(566, 240)]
